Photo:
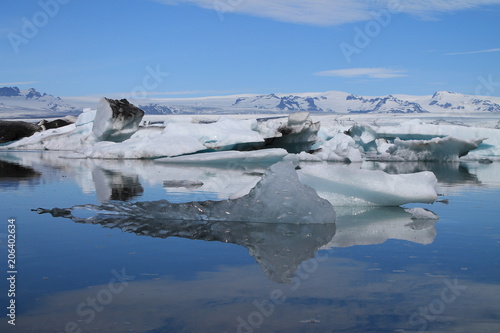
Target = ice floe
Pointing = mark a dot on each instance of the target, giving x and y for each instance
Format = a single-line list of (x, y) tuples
[(263, 156), (345, 186), (113, 132)]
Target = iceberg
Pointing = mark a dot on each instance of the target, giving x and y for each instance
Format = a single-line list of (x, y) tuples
[(419, 130), (186, 183), (263, 156), (340, 148), (392, 145), (277, 197), (295, 133), (116, 120), (343, 185), (147, 143), (437, 149), (62, 138)]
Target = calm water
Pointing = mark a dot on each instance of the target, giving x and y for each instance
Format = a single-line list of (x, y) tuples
[(374, 270)]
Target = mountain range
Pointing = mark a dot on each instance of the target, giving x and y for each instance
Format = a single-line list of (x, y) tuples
[(29, 103)]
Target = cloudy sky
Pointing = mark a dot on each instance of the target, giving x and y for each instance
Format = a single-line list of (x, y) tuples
[(190, 48)]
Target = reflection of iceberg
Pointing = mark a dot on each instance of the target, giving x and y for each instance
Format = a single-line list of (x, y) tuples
[(15, 171), (304, 221), (278, 247), (358, 226), (116, 185), (11, 174), (277, 197), (451, 173)]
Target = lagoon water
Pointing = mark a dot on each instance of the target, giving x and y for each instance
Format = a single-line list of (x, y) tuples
[(373, 270)]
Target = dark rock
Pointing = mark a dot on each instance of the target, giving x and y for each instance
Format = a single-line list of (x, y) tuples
[(15, 130), (54, 123)]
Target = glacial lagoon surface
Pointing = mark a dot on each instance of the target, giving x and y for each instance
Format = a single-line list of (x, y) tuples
[(372, 269)]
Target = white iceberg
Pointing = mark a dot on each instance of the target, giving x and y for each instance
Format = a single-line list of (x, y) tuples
[(343, 185), (340, 148), (419, 130), (263, 156), (437, 149)]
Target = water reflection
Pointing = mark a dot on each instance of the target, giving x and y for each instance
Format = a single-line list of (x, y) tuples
[(278, 247), (112, 185), (450, 173), (12, 174), (358, 289), (368, 226)]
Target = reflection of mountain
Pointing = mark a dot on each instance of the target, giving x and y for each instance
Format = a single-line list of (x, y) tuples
[(11, 174), (367, 226)]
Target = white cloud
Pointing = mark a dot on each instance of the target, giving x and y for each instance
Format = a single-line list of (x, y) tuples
[(17, 83), (372, 73), (330, 12), (473, 52)]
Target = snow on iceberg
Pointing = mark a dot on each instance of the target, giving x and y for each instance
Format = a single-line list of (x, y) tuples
[(177, 139), (147, 143), (342, 185), (340, 148), (277, 197)]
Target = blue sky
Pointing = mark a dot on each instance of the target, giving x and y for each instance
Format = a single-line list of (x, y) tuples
[(190, 48)]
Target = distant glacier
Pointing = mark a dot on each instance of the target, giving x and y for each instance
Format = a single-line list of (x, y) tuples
[(29, 103)]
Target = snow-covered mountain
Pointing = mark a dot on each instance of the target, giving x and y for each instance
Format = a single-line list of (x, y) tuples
[(455, 101), (22, 103), (328, 102), (17, 103)]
